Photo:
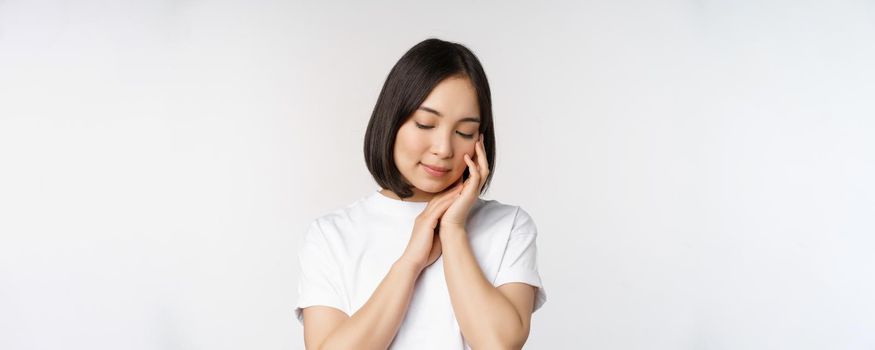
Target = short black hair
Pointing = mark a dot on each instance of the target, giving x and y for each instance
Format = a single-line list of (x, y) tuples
[(410, 81)]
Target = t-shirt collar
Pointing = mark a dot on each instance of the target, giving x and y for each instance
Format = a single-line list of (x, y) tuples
[(396, 205)]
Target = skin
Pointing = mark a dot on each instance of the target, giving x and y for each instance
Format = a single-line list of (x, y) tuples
[(438, 140), (489, 317)]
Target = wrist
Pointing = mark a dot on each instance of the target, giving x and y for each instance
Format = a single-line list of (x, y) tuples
[(452, 226), (407, 265), (452, 231)]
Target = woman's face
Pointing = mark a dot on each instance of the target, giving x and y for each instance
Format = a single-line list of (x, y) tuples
[(430, 146)]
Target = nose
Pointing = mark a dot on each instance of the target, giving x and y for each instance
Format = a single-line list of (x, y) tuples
[(441, 145)]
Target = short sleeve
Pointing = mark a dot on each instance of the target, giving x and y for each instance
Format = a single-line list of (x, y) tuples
[(319, 279), (520, 260)]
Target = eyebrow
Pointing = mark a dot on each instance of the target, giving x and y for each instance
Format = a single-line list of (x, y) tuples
[(467, 119)]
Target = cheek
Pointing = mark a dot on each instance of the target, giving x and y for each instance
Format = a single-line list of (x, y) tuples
[(407, 148), (469, 149), (465, 149), (402, 141)]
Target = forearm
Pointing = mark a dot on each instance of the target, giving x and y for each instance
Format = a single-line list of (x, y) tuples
[(486, 317), (375, 324)]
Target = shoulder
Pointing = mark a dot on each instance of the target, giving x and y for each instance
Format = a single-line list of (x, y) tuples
[(496, 211), (335, 221), (494, 207)]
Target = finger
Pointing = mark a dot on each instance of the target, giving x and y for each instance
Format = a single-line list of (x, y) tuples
[(474, 186), (442, 206), (438, 210), (481, 159), (473, 169), (455, 186), (450, 191), (433, 210), (446, 198), (445, 192)]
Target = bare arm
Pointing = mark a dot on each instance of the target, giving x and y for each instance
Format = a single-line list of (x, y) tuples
[(489, 317), (374, 325)]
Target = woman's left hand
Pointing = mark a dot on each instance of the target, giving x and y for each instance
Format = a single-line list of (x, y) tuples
[(478, 170)]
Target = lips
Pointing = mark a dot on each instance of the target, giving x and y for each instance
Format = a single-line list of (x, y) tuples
[(435, 170)]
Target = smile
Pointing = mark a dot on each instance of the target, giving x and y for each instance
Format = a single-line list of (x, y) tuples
[(435, 171)]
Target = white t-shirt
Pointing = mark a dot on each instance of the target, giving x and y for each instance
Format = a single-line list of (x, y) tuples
[(347, 253)]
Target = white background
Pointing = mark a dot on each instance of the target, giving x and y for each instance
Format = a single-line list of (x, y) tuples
[(701, 172)]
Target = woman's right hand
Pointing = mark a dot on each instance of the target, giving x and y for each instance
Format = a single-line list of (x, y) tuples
[(425, 246)]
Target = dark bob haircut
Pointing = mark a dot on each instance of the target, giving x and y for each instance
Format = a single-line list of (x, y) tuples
[(409, 82)]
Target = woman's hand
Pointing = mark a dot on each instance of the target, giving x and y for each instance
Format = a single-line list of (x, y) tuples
[(424, 246), (456, 215)]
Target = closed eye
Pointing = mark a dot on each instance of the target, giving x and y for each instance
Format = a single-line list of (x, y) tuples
[(463, 135)]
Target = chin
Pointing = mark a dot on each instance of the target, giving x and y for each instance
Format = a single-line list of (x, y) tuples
[(431, 187)]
